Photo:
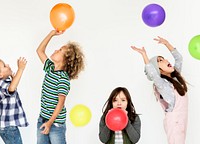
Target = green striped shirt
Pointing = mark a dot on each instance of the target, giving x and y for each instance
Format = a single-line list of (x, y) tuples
[(55, 83)]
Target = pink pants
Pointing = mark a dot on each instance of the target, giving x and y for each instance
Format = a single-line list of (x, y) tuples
[(175, 122), (175, 125)]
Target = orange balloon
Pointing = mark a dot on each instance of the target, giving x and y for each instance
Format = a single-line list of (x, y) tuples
[(62, 16)]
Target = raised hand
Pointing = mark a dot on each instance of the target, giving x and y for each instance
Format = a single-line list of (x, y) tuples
[(56, 32), (142, 51), (21, 63), (161, 40)]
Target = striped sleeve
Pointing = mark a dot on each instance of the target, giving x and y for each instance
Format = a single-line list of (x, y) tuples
[(63, 86), (47, 65)]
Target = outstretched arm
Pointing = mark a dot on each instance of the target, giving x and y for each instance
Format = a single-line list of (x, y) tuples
[(21, 62), (142, 51), (42, 47), (161, 40), (177, 56)]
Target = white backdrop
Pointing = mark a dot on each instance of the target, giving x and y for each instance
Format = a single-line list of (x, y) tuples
[(105, 29)]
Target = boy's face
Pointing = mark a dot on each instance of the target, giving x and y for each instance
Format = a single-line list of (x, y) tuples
[(58, 55), (5, 70)]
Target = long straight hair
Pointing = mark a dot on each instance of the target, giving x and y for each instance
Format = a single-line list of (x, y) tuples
[(130, 107), (179, 84)]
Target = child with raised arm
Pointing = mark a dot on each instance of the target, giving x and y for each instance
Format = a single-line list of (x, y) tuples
[(12, 114), (62, 66), (120, 98), (170, 89)]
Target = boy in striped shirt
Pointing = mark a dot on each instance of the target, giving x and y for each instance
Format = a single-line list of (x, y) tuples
[(62, 66)]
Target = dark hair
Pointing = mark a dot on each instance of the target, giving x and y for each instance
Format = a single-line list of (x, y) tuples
[(130, 107), (179, 85)]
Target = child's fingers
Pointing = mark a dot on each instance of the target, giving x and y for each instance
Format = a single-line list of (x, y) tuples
[(133, 47), (136, 49), (159, 37), (156, 39), (42, 126), (22, 60), (45, 130)]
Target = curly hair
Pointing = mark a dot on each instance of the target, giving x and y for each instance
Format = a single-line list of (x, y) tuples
[(74, 59)]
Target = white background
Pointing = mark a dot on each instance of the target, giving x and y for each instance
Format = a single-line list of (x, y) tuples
[(106, 29)]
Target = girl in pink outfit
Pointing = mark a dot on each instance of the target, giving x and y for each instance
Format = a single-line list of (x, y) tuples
[(170, 90)]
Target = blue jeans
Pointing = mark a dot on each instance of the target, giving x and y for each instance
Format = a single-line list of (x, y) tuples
[(11, 135), (55, 136)]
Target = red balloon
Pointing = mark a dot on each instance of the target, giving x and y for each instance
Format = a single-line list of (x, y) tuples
[(116, 119), (62, 16)]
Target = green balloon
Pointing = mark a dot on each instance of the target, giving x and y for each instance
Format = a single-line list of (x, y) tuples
[(194, 47)]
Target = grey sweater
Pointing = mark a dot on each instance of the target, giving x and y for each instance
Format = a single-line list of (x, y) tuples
[(131, 133), (164, 87)]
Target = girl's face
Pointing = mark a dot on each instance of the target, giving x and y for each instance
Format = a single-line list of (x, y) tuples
[(165, 67), (5, 70), (120, 101), (59, 55)]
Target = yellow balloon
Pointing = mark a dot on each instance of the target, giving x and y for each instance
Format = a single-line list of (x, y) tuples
[(80, 115)]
